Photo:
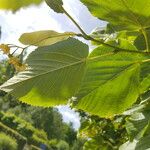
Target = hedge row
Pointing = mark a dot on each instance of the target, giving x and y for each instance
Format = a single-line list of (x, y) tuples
[(25, 130), (21, 139)]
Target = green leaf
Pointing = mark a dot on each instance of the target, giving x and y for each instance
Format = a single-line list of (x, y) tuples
[(129, 36), (53, 75), (137, 123), (145, 75), (122, 14), (140, 40), (138, 129), (17, 4), (56, 5), (93, 144), (129, 145), (44, 38), (142, 144), (111, 82), (145, 84)]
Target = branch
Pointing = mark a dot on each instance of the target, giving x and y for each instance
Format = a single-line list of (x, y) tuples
[(70, 17), (87, 37), (116, 49)]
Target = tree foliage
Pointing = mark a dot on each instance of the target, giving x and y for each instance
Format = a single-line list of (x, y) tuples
[(14, 5), (111, 82)]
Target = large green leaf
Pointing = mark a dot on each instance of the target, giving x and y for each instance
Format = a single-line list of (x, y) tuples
[(16, 4), (43, 38), (122, 14), (145, 84), (53, 75), (111, 82)]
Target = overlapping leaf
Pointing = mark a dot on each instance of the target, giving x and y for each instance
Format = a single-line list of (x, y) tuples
[(137, 123), (122, 14), (138, 128), (140, 40), (145, 77), (44, 38), (111, 83), (53, 76)]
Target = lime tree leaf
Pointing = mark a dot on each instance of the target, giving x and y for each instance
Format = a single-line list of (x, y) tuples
[(122, 14), (140, 40), (145, 77), (93, 144), (145, 84), (128, 35), (53, 76), (44, 38), (111, 83), (137, 123), (56, 5), (129, 145), (17, 4), (142, 144), (138, 127)]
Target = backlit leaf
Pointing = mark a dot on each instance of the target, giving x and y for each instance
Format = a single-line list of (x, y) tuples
[(53, 76), (122, 14), (111, 83), (44, 38)]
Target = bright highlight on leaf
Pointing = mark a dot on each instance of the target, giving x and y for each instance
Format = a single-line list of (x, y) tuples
[(44, 38)]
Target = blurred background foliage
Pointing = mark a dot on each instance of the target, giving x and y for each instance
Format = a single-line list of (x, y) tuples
[(14, 5)]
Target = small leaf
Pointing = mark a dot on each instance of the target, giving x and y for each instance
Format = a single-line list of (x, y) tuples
[(44, 38), (53, 75), (56, 5)]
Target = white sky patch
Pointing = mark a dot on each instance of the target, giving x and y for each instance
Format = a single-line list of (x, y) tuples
[(42, 18), (70, 116)]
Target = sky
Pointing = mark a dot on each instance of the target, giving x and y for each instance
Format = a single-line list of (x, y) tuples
[(42, 18)]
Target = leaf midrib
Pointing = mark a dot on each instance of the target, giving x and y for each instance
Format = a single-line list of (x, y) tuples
[(113, 77), (31, 78)]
